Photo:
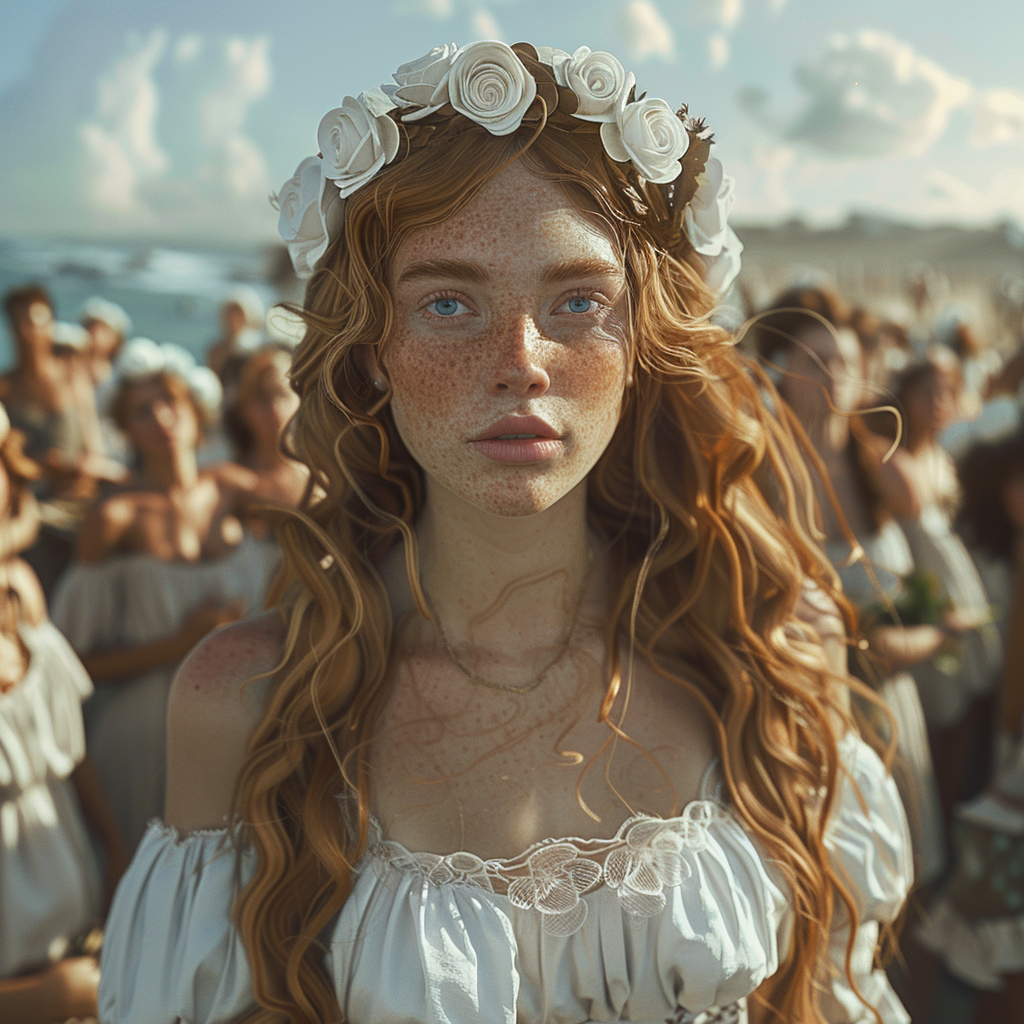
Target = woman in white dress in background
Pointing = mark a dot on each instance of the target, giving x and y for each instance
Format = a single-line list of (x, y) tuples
[(52, 889), (536, 594), (159, 564)]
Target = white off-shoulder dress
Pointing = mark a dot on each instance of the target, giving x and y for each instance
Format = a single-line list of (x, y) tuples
[(50, 887), (676, 919), (133, 599)]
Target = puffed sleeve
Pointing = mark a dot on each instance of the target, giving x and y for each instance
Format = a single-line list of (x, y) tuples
[(170, 951), (869, 842)]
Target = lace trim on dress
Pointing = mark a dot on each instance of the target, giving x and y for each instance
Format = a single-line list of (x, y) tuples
[(646, 856)]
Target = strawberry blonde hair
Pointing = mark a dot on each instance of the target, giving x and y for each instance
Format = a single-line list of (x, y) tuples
[(702, 491)]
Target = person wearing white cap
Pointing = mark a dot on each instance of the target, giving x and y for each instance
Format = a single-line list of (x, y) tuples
[(241, 319), (108, 326), (158, 565), (51, 400)]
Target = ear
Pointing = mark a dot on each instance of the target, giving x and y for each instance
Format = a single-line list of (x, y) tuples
[(369, 365)]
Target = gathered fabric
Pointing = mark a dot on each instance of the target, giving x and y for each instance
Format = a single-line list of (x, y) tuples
[(681, 919), (49, 877)]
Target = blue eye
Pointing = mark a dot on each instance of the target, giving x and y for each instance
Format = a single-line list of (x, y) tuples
[(445, 307), (579, 304)]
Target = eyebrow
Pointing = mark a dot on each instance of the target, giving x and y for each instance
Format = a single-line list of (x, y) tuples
[(468, 270)]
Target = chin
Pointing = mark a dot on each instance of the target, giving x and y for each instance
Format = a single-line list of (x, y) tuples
[(516, 499)]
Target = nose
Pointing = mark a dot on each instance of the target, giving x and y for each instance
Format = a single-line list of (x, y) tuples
[(519, 363)]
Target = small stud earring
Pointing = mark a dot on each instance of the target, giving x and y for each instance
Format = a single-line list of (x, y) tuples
[(378, 383), (629, 380)]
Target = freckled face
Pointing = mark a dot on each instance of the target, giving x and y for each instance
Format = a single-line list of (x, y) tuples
[(513, 307)]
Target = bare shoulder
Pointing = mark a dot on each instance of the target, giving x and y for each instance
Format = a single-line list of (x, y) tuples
[(232, 475), (217, 700), (104, 526)]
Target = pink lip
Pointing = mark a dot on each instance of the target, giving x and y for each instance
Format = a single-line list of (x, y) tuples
[(546, 443)]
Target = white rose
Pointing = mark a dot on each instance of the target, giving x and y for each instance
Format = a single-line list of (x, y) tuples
[(356, 142), (707, 226), (557, 60), (424, 82), (490, 85), (298, 200), (649, 134), (600, 82), (311, 212)]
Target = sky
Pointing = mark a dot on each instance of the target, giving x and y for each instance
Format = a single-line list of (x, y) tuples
[(138, 119)]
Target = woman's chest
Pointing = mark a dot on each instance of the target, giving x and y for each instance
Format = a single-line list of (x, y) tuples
[(197, 526), (456, 765)]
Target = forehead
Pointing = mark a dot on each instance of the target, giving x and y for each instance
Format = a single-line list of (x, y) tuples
[(827, 344), (516, 222)]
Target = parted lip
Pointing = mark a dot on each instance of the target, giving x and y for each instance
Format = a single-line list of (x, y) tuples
[(518, 425)]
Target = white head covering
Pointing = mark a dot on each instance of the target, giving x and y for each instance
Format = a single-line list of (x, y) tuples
[(142, 357), (107, 312), (72, 335)]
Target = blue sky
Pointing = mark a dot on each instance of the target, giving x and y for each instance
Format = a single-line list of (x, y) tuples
[(144, 119)]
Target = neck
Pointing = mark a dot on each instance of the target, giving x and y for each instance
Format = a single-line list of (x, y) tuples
[(497, 582), (266, 456), (176, 471)]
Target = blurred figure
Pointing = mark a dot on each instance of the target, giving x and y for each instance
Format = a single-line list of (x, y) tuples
[(159, 564), (956, 692), (823, 384), (51, 892), (977, 925), (50, 399), (108, 326), (260, 410), (241, 317)]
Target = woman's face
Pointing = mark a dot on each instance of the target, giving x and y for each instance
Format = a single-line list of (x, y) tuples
[(931, 405), (508, 358), (159, 421), (270, 406), (823, 368)]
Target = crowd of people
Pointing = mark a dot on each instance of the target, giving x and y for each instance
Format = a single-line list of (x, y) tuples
[(123, 545)]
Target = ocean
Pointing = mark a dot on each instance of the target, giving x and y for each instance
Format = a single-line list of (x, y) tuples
[(171, 293)]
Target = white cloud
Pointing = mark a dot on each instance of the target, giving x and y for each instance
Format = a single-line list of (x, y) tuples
[(870, 95), (187, 48), (233, 161), (119, 143), (430, 8), (945, 186), (725, 14), (718, 50), (645, 32), (484, 26), (999, 117)]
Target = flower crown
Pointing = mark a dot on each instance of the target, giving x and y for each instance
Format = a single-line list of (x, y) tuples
[(502, 87)]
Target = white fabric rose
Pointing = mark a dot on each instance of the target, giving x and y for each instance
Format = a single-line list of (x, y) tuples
[(557, 60), (707, 226), (648, 133), (357, 139), (490, 85), (423, 82), (311, 212), (600, 82)]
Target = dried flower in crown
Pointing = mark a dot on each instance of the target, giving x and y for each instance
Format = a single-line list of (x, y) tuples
[(501, 88)]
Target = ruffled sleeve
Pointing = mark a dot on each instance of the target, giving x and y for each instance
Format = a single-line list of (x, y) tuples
[(41, 731), (170, 951), (869, 842), (88, 605)]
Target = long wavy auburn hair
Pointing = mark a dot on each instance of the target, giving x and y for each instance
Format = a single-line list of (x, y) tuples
[(702, 492)]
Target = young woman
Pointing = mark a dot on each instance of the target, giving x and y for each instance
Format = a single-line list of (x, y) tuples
[(51, 886), (957, 699), (159, 564), (537, 594), (261, 407), (824, 381), (977, 924)]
